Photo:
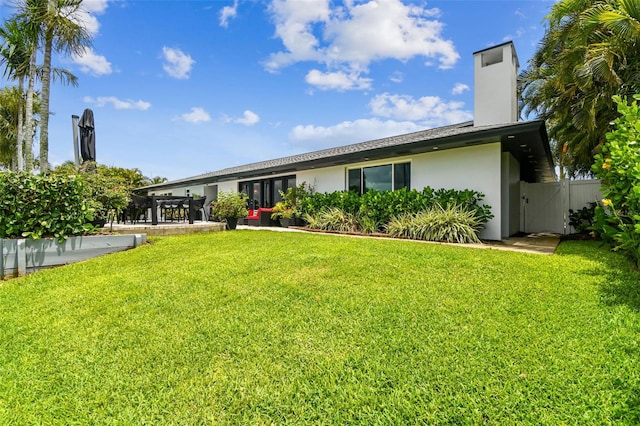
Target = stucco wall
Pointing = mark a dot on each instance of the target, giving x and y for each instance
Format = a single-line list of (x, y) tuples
[(476, 167), (328, 179)]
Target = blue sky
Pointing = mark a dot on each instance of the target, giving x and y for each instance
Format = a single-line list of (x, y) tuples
[(180, 88)]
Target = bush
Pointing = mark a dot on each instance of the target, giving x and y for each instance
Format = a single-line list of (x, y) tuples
[(582, 220), (37, 206), (377, 208), (618, 166), (108, 189), (230, 205), (452, 224)]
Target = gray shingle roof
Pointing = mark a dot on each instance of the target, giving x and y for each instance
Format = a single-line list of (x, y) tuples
[(445, 137)]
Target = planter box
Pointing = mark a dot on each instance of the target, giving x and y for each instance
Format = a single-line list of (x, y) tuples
[(23, 256)]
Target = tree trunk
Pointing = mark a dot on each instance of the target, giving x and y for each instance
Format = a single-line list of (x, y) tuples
[(28, 113), (19, 133), (44, 104)]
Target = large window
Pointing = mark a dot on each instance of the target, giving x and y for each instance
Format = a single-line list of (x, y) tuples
[(377, 178), (385, 177)]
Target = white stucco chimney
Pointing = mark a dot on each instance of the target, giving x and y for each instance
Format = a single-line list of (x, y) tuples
[(495, 76)]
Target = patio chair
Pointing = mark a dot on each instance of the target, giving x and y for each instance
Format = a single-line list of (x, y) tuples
[(170, 209), (198, 206), (139, 206)]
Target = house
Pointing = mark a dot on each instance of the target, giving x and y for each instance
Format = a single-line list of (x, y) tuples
[(492, 154)]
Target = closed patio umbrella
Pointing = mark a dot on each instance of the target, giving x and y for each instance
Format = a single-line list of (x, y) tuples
[(87, 136)]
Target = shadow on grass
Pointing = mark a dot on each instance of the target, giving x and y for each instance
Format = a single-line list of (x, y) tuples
[(620, 283)]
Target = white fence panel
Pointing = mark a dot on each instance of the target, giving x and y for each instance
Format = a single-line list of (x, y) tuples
[(584, 192), (546, 205), (543, 208)]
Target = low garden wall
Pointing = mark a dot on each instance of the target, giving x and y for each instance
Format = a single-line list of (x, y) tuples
[(23, 256)]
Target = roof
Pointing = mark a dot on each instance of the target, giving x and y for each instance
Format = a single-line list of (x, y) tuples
[(527, 141)]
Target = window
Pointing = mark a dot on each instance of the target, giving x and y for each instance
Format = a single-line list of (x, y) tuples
[(377, 178), (385, 177), (355, 182), (401, 176), (277, 187), (266, 192)]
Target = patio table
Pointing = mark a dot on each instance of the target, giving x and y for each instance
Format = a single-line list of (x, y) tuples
[(156, 199)]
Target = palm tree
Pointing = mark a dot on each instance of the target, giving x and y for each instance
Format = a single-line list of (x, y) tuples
[(9, 104), (589, 53), (59, 30), (11, 115), (15, 53)]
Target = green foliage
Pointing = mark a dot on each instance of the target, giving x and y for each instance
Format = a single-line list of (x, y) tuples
[(345, 331), (618, 166), (452, 224), (377, 208), (347, 201), (290, 206), (589, 53), (582, 220), (230, 205), (334, 219), (107, 188), (281, 211), (43, 206)]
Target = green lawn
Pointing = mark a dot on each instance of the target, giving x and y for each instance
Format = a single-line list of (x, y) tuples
[(258, 327)]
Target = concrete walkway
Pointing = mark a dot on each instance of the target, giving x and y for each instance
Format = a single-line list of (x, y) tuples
[(541, 243)]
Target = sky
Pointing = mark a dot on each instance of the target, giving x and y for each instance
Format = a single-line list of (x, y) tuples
[(181, 88)]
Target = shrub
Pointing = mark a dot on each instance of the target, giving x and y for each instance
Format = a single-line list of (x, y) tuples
[(618, 166), (292, 198), (582, 220), (230, 205), (377, 207), (108, 189), (347, 201), (37, 206), (453, 224)]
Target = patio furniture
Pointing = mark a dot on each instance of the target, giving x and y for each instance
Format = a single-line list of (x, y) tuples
[(164, 204), (260, 217), (198, 206), (172, 209), (138, 207)]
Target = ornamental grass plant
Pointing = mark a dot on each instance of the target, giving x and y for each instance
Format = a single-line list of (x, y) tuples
[(451, 224)]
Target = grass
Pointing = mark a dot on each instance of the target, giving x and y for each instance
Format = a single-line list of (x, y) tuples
[(258, 327)]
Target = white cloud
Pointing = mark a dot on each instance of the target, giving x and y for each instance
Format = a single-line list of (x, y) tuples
[(337, 80), (459, 88), (117, 103), (397, 77), (356, 34), (197, 115), (91, 63), (430, 111), (249, 118), (518, 34), (227, 13), (85, 14), (177, 63), (318, 137)]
